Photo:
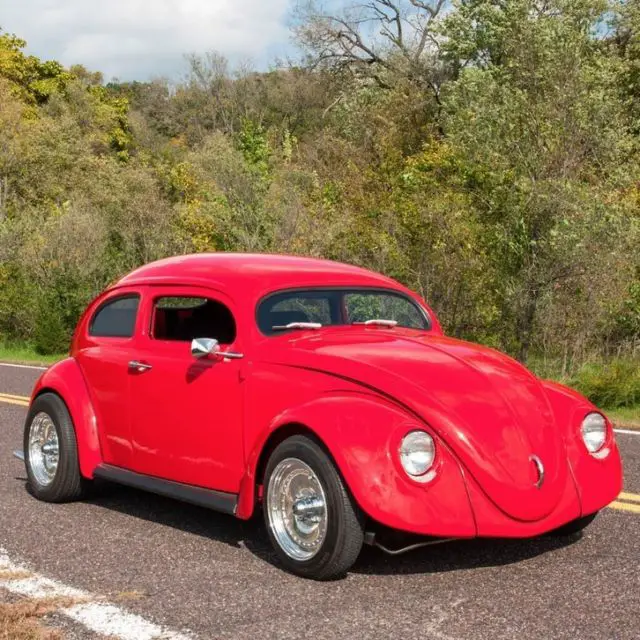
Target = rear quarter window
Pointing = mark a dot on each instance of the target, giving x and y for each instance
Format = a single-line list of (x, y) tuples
[(115, 318)]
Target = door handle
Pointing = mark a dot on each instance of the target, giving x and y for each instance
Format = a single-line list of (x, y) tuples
[(139, 367)]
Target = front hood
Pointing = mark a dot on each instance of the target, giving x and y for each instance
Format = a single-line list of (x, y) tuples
[(491, 411)]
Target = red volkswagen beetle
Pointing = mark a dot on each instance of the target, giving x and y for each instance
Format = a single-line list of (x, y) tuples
[(325, 394)]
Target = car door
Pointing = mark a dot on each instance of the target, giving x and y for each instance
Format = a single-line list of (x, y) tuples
[(107, 347), (187, 412)]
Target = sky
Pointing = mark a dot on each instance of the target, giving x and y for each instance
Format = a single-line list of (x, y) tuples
[(143, 39)]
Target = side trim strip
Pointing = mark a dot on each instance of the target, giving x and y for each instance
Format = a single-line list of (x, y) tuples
[(216, 500)]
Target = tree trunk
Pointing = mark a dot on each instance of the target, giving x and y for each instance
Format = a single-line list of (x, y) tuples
[(4, 192), (526, 322)]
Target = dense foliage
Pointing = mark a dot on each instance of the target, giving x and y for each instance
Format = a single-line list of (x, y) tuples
[(487, 156)]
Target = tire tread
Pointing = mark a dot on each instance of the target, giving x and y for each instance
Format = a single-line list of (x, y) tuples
[(350, 533), (68, 484)]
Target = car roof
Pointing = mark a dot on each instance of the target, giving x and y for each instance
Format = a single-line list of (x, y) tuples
[(256, 273)]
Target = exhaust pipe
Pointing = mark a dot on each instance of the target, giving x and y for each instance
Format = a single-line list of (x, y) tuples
[(370, 539), (19, 453)]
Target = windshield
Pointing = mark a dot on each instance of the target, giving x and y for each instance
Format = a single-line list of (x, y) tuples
[(338, 307)]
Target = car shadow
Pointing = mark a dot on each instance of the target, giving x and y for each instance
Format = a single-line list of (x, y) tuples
[(183, 516), (458, 555), (251, 535)]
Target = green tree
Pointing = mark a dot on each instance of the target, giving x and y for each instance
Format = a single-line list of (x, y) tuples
[(31, 79), (541, 137)]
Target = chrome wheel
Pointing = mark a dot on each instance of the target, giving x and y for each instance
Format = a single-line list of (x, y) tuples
[(44, 451), (297, 509)]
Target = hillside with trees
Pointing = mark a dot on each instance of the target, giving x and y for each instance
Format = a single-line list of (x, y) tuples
[(485, 153)]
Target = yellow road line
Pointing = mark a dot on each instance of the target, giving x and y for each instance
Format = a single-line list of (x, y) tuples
[(624, 506), (16, 402), (14, 397), (631, 497), (21, 401)]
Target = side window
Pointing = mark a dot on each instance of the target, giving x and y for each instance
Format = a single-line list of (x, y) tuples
[(116, 318), (182, 319)]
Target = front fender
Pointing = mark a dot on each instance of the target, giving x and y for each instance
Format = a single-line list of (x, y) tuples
[(362, 433), (66, 379), (598, 481)]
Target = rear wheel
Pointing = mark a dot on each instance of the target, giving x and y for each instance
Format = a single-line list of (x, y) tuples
[(575, 526), (312, 521), (51, 452)]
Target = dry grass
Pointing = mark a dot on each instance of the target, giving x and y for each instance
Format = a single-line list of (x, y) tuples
[(6, 574), (22, 619), (123, 596)]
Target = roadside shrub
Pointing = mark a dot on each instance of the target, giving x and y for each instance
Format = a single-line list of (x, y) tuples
[(609, 385), (50, 335)]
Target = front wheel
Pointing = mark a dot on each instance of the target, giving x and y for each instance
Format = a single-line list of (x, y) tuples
[(312, 521), (51, 451)]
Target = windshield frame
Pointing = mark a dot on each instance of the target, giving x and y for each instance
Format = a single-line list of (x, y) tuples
[(344, 289)]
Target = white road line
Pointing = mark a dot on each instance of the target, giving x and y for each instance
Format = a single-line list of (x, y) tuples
[(631, 432), (22, 366), (113, 622), (92, 611), (40, 587)]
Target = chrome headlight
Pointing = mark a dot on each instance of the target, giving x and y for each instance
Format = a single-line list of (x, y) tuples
[(594, 432), (417, 453)]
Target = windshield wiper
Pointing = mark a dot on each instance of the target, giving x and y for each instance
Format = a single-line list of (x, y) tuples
[(297, 325), (380, 322)]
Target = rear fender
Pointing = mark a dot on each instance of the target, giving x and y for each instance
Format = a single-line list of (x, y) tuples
[(66, 379), (362, 433)]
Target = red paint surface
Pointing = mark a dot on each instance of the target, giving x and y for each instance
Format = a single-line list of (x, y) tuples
[(358, 389)]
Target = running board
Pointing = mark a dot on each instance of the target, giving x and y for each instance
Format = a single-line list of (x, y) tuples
[(19, 453), (216, 500)]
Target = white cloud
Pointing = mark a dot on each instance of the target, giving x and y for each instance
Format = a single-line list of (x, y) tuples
[(137, 39)]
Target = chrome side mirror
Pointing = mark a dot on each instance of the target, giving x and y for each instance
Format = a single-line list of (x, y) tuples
[(204, 347)]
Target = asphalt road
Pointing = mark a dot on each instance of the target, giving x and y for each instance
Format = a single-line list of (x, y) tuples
[(216, 577)]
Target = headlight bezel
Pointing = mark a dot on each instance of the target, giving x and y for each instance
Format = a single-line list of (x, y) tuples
[(418, 441), (595, 423)]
